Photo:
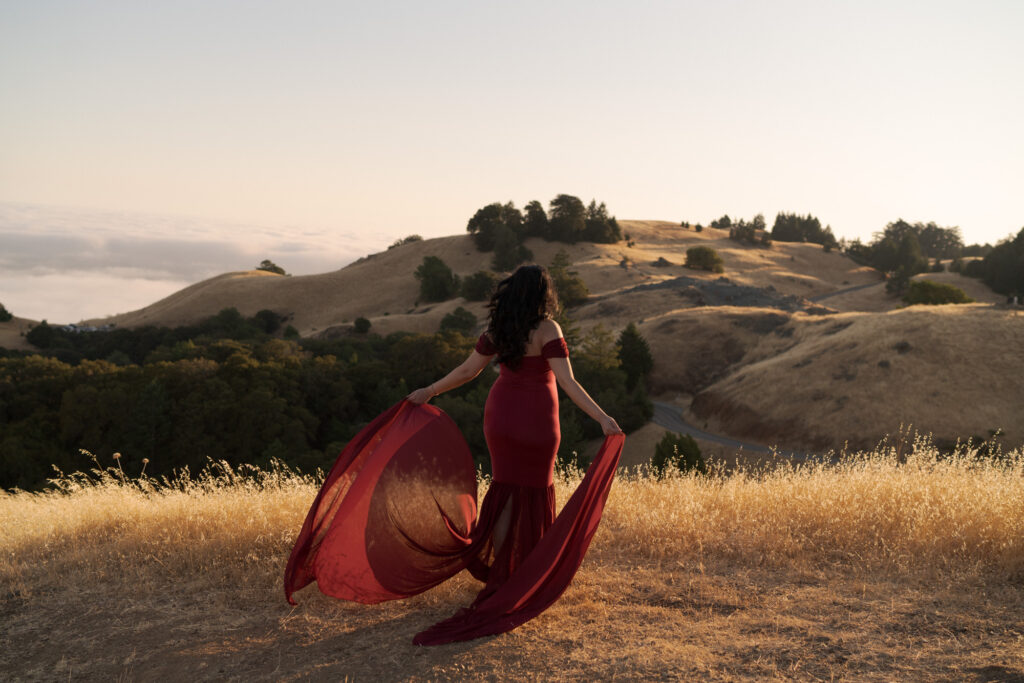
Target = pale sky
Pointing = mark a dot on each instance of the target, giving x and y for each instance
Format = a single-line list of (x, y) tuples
[(374, 120)]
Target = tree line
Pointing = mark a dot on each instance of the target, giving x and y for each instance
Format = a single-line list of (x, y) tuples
[(229, 390), (502, 228), (900, 251)]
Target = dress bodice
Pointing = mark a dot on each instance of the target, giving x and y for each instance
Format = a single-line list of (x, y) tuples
[(531, 368)]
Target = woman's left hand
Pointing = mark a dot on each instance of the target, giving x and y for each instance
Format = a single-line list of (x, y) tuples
[(420, 396)]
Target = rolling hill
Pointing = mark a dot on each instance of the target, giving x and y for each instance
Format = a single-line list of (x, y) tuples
[(790, 346)]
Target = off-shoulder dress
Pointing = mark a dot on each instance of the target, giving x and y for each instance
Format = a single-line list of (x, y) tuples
[(397, 513)]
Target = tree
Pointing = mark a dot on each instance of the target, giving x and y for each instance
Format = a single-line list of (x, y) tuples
[(459, 320), (567, 219), (535, 221), (909, 257), (270, 267), (1002, 268), (791, 227), (479, 286), (437, 281), (634, 356), (5, 315), (704, 258), (721, 223), (361, 325), (489, 222), (750, 233), (509, 251), (939, 242), (570, 288), (599, 226)]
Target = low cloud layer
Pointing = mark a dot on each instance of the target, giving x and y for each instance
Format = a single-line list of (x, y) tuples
[(66, 265)]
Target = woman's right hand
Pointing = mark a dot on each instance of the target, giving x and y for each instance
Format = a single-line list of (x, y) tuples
[(610, 426), (420, 396)]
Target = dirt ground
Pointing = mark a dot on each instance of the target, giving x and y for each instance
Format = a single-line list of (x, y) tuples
[(719, 623)]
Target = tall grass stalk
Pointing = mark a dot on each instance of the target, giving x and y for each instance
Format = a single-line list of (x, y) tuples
[(907, 509)]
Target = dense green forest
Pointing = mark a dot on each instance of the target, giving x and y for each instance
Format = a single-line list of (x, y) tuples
[(230, 389)]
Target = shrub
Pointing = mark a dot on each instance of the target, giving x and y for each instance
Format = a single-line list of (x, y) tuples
[(361, 325), (291, 333), (268, 321), (459, 320), (933, 293), (704, 258), (5, 315), (479, 286), (679, 451), (405, 240), (42, 336), (437, 282)]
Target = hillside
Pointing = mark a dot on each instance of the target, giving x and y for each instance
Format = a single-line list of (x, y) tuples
[(12, 333), (790, 345), (382, 288)]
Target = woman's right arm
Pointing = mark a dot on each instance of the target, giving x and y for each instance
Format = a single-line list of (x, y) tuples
[(467, 370)]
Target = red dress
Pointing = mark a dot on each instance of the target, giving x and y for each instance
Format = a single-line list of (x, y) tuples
[(397, 512)]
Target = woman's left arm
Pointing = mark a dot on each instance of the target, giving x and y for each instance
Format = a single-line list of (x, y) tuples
[(469, 369)]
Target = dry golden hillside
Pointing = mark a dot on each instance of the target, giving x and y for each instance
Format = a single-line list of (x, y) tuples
[(875, 299), (12, 333), (382, 287), (783, 348), (953, 371)]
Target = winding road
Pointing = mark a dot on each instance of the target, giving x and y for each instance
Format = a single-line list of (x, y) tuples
[(668, 416)]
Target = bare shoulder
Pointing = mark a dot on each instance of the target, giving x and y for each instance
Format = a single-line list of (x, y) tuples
[(548, 330)]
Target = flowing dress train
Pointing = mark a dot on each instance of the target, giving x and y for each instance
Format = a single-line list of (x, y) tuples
[(397, 513)]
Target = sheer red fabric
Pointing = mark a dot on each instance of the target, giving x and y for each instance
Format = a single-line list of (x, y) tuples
[(397, 513)]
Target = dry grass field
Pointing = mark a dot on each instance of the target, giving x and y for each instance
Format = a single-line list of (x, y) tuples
[(897, 565)]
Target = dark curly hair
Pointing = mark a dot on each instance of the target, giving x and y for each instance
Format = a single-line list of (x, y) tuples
[(518, 305)]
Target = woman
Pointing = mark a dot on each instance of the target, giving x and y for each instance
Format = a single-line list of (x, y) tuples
[(397, 513), (520, 417)]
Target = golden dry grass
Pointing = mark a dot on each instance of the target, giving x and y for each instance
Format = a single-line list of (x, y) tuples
[(889, 566), (12, 333), (383, 289), (953, 371)]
